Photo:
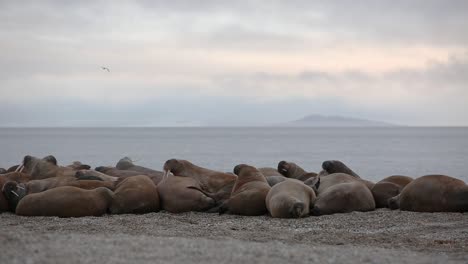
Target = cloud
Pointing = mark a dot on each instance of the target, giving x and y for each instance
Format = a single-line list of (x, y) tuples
[(370, 56)]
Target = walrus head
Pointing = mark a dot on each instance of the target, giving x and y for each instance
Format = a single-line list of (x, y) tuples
[(297, 210), (28, 164), (175, 166), (31, 163), (248, 172), (313, 182), (102, 169), (124, 163), (76, 165), (336, 166), (41, 168), (290, 169), (13, 193), (3, 171), (238, 168), (394, 202)]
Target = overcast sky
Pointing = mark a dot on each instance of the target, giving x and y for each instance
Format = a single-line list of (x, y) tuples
[(232, 62)]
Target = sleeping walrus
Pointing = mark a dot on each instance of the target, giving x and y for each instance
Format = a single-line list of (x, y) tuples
[(336, 166), (341, 193), (291, 199), (135, 195), (183, 194), (66, 202), (218, 183), (388, 188), (432, 193), (292, 170), (249, 192)]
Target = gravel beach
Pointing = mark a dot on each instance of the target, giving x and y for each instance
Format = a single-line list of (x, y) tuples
[(381, 236)]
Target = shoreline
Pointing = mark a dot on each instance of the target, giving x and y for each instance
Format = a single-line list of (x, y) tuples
[(380, 236)]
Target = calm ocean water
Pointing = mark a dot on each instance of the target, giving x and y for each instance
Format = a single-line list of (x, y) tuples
[(372, 152)]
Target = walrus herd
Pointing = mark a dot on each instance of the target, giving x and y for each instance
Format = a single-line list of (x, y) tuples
[(41, 187)]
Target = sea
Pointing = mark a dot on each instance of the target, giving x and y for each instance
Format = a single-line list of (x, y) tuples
[(373, 153)]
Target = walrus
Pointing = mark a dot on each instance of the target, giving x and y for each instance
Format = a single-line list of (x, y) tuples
[(4, 178), (94, 175), (341, 193), (77, 165), (248, 194), (135, 195), (3, 171), (290, 199), (292, 170), (210, 181), (113, 171), (336, 166), (45, 168), (183, 194), (121, 174), (127, 164), (37, 186), (432, 193), (387, 188), (66, 202)]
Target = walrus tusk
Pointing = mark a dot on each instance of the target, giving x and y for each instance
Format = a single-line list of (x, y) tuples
[(14, 193), (166, 174), (22, 188), (19, 167), (22, 168)]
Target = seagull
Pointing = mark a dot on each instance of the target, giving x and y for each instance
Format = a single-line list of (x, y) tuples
[(105, 68)]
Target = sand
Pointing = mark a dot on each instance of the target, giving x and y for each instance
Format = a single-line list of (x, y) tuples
[(381, 236)]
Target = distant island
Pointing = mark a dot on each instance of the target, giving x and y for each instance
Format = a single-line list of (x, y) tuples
[(335, 121)]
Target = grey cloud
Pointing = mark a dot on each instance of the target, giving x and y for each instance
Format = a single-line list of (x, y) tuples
[(238, 22)]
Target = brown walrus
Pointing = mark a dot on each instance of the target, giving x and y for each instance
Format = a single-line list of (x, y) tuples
[(388, 188), (113, 171), (215, 182), (182, 194), (94, 175), (4, 178), (14, 191), (292, 170), (127, 164), (66, 202), (433, 193), (336, 166), (121, 174), (290, 199), (77, 165), (45, 168), (137, 195), (249, 192), (341, 193)]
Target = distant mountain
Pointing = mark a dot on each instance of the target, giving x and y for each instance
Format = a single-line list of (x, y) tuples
[(335, 121)]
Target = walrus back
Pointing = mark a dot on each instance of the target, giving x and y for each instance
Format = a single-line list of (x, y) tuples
[(66, 202)]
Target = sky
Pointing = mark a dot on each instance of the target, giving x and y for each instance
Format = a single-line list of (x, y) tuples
[(195, 63)]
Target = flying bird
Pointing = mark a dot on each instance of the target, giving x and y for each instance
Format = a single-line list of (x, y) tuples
[(105, 68)]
